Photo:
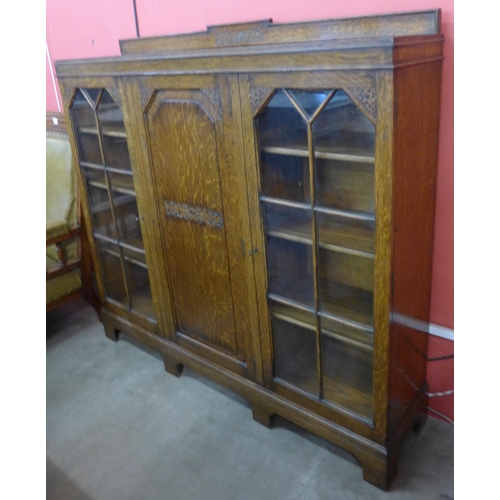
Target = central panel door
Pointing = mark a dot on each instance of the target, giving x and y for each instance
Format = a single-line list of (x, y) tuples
[(201, 219)]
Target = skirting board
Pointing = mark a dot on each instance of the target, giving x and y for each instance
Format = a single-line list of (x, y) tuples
[(441, 331), (430, 328)]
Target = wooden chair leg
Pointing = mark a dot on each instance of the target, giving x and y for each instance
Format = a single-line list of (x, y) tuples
[(60, 254)]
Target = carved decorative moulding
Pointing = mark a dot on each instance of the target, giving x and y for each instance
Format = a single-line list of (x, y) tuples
[(196, 214), (258, 95), (213, 95), (67, 95), (237, 37), (366, 97), (146, 95), (115, 94)]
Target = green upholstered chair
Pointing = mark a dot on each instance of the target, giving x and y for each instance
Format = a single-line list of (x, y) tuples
[(63, 263)]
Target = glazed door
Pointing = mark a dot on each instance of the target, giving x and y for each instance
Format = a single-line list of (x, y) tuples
[(314, 142), (202, 214), (109, 180)]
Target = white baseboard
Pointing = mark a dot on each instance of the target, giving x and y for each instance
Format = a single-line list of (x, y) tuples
[(430, 328), (441, 331)]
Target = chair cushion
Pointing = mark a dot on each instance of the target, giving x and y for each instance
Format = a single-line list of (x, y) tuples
[(56, 228), (60, 179), (62, 285), (70, 251)]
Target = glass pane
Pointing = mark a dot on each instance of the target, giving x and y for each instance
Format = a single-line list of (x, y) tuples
[(105, 163), (116, 152), (110, 115), (285, 177), (346, 286), (343, 140), (283, 150), (126, 211), (294, 343), (309, 101), (113, 274), (138, 282), (344, 144), (290, 273), (92, 95), (293, 224), (114, 137), (86, 127), (346, 234), (100, 205), (345, 185), (347, 370), (342, 129), (95, 176), (358, 335)]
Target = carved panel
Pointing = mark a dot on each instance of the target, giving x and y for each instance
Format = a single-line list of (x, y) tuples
[(213, 94), (237, 37), (197, 214), (257, 97), (146, 96), (366, 97), (115, 94), (67, 96)]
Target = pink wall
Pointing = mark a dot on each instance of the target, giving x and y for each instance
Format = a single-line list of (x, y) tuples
[(78, 29)]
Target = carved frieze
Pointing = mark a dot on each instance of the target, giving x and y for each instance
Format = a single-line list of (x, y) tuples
[(115, 94), (238, 37), (367, 98), (257, 97), (197, 214), (213, 95), (146, 95), (67, 96)]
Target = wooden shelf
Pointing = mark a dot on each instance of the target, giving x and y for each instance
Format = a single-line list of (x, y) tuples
[(346, 303), (342, 303), (290, 314), (348, 332), (349, 238), (125, 257), (342, 385), (348, 377), (286, 203), (355, 334), (327, 148), (300, 372), (102, 168), (94, 166), (132, 244), (337, 301), (110, 130), (301, 291), (122, 184), (289, 228), (335, 236), (348, 214), (142, 303), (115, 186)]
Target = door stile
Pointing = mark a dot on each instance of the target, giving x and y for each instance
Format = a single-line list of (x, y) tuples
[(136, 131), (384, 147)]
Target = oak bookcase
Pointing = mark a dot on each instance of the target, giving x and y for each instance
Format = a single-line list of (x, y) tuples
[(261, 200)]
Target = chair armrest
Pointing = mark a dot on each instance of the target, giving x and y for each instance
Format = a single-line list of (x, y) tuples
[(56, 228), (59, 238)]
